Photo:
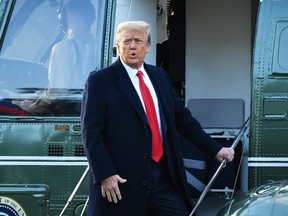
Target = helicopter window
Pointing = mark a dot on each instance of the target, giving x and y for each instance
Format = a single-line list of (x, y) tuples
[(49, 49), (280, 65)]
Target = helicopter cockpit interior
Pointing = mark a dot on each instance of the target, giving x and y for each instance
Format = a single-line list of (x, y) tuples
[(44, 71)]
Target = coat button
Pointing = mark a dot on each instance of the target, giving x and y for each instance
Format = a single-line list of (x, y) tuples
[(144, 183), (145, 156)]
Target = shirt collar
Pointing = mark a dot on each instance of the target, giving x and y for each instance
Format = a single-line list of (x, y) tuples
[(131, 71)]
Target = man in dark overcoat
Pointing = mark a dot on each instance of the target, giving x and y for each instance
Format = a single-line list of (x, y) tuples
[(117, 135)]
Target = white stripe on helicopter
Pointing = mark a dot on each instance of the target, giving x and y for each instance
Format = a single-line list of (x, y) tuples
[(268, 162), (43, 161)]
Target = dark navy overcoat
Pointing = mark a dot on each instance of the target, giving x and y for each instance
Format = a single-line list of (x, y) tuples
[(117, 137)]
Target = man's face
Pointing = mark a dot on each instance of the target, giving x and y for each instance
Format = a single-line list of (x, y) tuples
[(133, 47)]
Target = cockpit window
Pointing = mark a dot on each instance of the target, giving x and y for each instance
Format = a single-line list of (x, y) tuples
[(49, 49)]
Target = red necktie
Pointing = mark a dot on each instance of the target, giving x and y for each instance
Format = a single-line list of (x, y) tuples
[(157, 150)]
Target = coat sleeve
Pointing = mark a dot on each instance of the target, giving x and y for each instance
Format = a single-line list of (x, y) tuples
[(93, 129)]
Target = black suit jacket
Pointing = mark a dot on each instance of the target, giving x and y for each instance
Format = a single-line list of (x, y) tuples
[(117, 136)]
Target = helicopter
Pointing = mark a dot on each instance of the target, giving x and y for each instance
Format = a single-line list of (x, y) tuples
[(227, 61)]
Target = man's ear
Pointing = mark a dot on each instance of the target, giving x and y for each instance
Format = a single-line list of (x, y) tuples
[(148, 48), (117, 48)]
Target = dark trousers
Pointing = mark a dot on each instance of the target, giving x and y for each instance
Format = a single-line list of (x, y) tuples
[(164, 199)]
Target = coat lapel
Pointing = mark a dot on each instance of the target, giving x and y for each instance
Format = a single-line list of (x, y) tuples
[(126, 87)]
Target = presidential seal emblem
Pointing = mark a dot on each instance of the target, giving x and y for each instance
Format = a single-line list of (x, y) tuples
[(9, 207)]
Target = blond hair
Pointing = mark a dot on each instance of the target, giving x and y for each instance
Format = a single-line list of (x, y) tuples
[(134, 25)]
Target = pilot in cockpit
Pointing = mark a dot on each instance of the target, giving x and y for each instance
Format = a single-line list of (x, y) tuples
[(74, 57)]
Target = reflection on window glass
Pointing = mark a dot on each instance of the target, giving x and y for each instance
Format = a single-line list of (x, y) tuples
[(49, 50), (283, 48)]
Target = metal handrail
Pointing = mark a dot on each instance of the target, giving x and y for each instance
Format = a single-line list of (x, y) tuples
[(74, 191), (221, 166), (86, 203)]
